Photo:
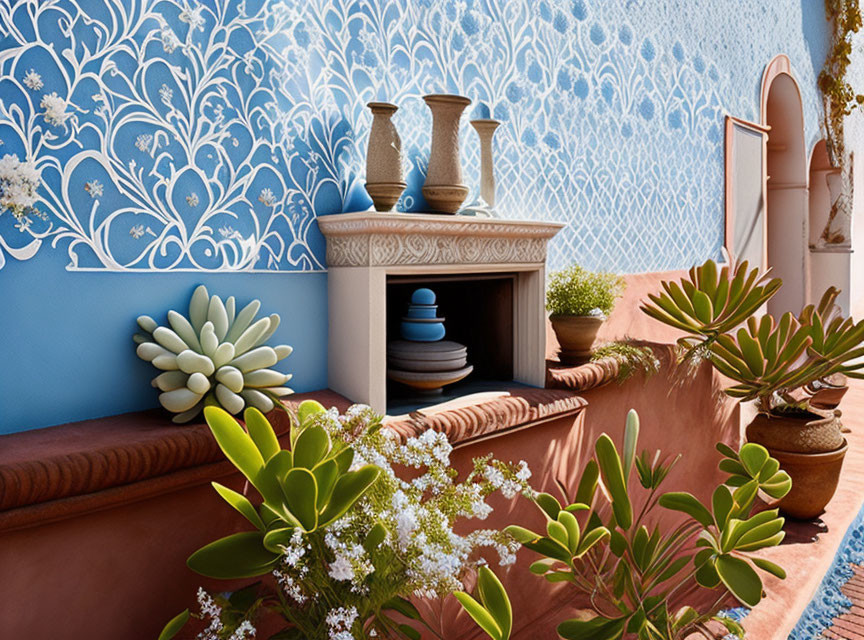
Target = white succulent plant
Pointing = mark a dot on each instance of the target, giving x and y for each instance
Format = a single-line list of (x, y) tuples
[(216, 356)]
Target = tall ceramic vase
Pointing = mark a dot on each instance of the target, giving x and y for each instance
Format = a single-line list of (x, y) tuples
[(384, 181), (485, 129), (443, 188)]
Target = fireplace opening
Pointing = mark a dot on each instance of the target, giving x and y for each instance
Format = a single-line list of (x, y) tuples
[(477, 312)]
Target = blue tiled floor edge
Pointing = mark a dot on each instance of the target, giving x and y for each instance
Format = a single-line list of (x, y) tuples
[(828, 602)]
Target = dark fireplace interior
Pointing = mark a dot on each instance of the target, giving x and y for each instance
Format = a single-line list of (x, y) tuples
[(478, 313)]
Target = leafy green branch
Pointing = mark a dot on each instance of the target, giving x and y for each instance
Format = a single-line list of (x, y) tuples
[(840, 98)]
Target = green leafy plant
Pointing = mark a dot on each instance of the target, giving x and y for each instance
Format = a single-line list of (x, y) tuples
[(602, 543), (493, 612), (631, 358), (711, 302), (773, 362), (575, 291), (343, 542), (839, 96)]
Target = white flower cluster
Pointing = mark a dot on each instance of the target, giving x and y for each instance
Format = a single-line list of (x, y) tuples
[(215, 630), (340, 621), (509, 487), (55, 109), (19, 182), (293, 569), (244, 631), (351, 563), (427, 555), (212, 611)]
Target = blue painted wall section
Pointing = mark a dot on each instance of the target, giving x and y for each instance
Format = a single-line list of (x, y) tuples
[(179, 141)]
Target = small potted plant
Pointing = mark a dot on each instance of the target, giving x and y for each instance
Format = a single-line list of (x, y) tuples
[(579, 301), (782, 365)]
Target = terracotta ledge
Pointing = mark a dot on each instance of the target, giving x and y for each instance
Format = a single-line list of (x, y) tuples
[(592, 375), (82, 458), (59, 472), (581, 377), (482, 415)]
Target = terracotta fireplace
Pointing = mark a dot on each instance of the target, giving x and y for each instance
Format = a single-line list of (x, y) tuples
[(489, 273)]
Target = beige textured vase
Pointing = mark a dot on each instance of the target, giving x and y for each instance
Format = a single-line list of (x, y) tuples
[(384, 181), (485, 129), (443, 188)]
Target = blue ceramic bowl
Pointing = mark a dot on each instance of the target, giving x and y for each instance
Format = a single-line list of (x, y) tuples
[(422, 331)]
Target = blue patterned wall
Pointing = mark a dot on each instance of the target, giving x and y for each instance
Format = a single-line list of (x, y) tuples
[(205, 137)]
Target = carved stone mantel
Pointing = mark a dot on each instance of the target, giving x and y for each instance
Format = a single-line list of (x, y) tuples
[(364, 248), (377, 239)]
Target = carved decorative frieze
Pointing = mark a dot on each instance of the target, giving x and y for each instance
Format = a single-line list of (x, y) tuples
[(375, 239)]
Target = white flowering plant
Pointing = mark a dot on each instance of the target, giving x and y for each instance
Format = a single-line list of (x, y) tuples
[(19, 183), (345, 578)]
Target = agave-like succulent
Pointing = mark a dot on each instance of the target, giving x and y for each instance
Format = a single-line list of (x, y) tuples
[(773, 361), (308, 487), (711, 302), (215, 357)]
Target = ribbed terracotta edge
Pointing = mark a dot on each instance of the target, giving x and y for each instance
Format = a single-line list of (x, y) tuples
[(81, 458), (144, 455), (475, 420), (582, 377)]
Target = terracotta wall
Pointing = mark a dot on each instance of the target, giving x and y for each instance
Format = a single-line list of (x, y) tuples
[(111, 574), (685, 416)]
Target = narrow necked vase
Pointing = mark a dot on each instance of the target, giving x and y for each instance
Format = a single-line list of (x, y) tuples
[(443, 188), (384, 181), (485, 129)]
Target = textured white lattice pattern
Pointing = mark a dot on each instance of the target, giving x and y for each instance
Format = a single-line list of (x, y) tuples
[(612, 118)]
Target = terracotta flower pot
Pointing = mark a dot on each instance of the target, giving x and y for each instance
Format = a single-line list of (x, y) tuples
[(384, 181), (813, 433), (814, 480), (576, 335), (443, 188), (810, 449)]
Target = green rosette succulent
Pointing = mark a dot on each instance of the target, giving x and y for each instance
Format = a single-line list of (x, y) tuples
[(216, 356)]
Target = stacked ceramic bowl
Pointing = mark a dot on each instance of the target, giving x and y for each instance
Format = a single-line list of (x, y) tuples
[(422, 360)]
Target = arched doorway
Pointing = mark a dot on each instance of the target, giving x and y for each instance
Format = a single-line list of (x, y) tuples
[(825, 185), (830, 262), (787, 197)]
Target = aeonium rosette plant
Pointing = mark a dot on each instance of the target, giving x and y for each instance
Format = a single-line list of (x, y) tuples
[(353, 522)]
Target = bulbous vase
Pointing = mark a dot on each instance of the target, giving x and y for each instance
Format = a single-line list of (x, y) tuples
[(384, 181)]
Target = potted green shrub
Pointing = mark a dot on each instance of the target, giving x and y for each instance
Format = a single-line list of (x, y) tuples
[(579, 301), (780, 364)]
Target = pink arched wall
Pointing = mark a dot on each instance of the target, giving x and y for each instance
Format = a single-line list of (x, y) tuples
[(787, 186)]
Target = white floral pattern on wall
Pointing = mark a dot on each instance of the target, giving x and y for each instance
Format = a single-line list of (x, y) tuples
[(177, 134), (162, 136)]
